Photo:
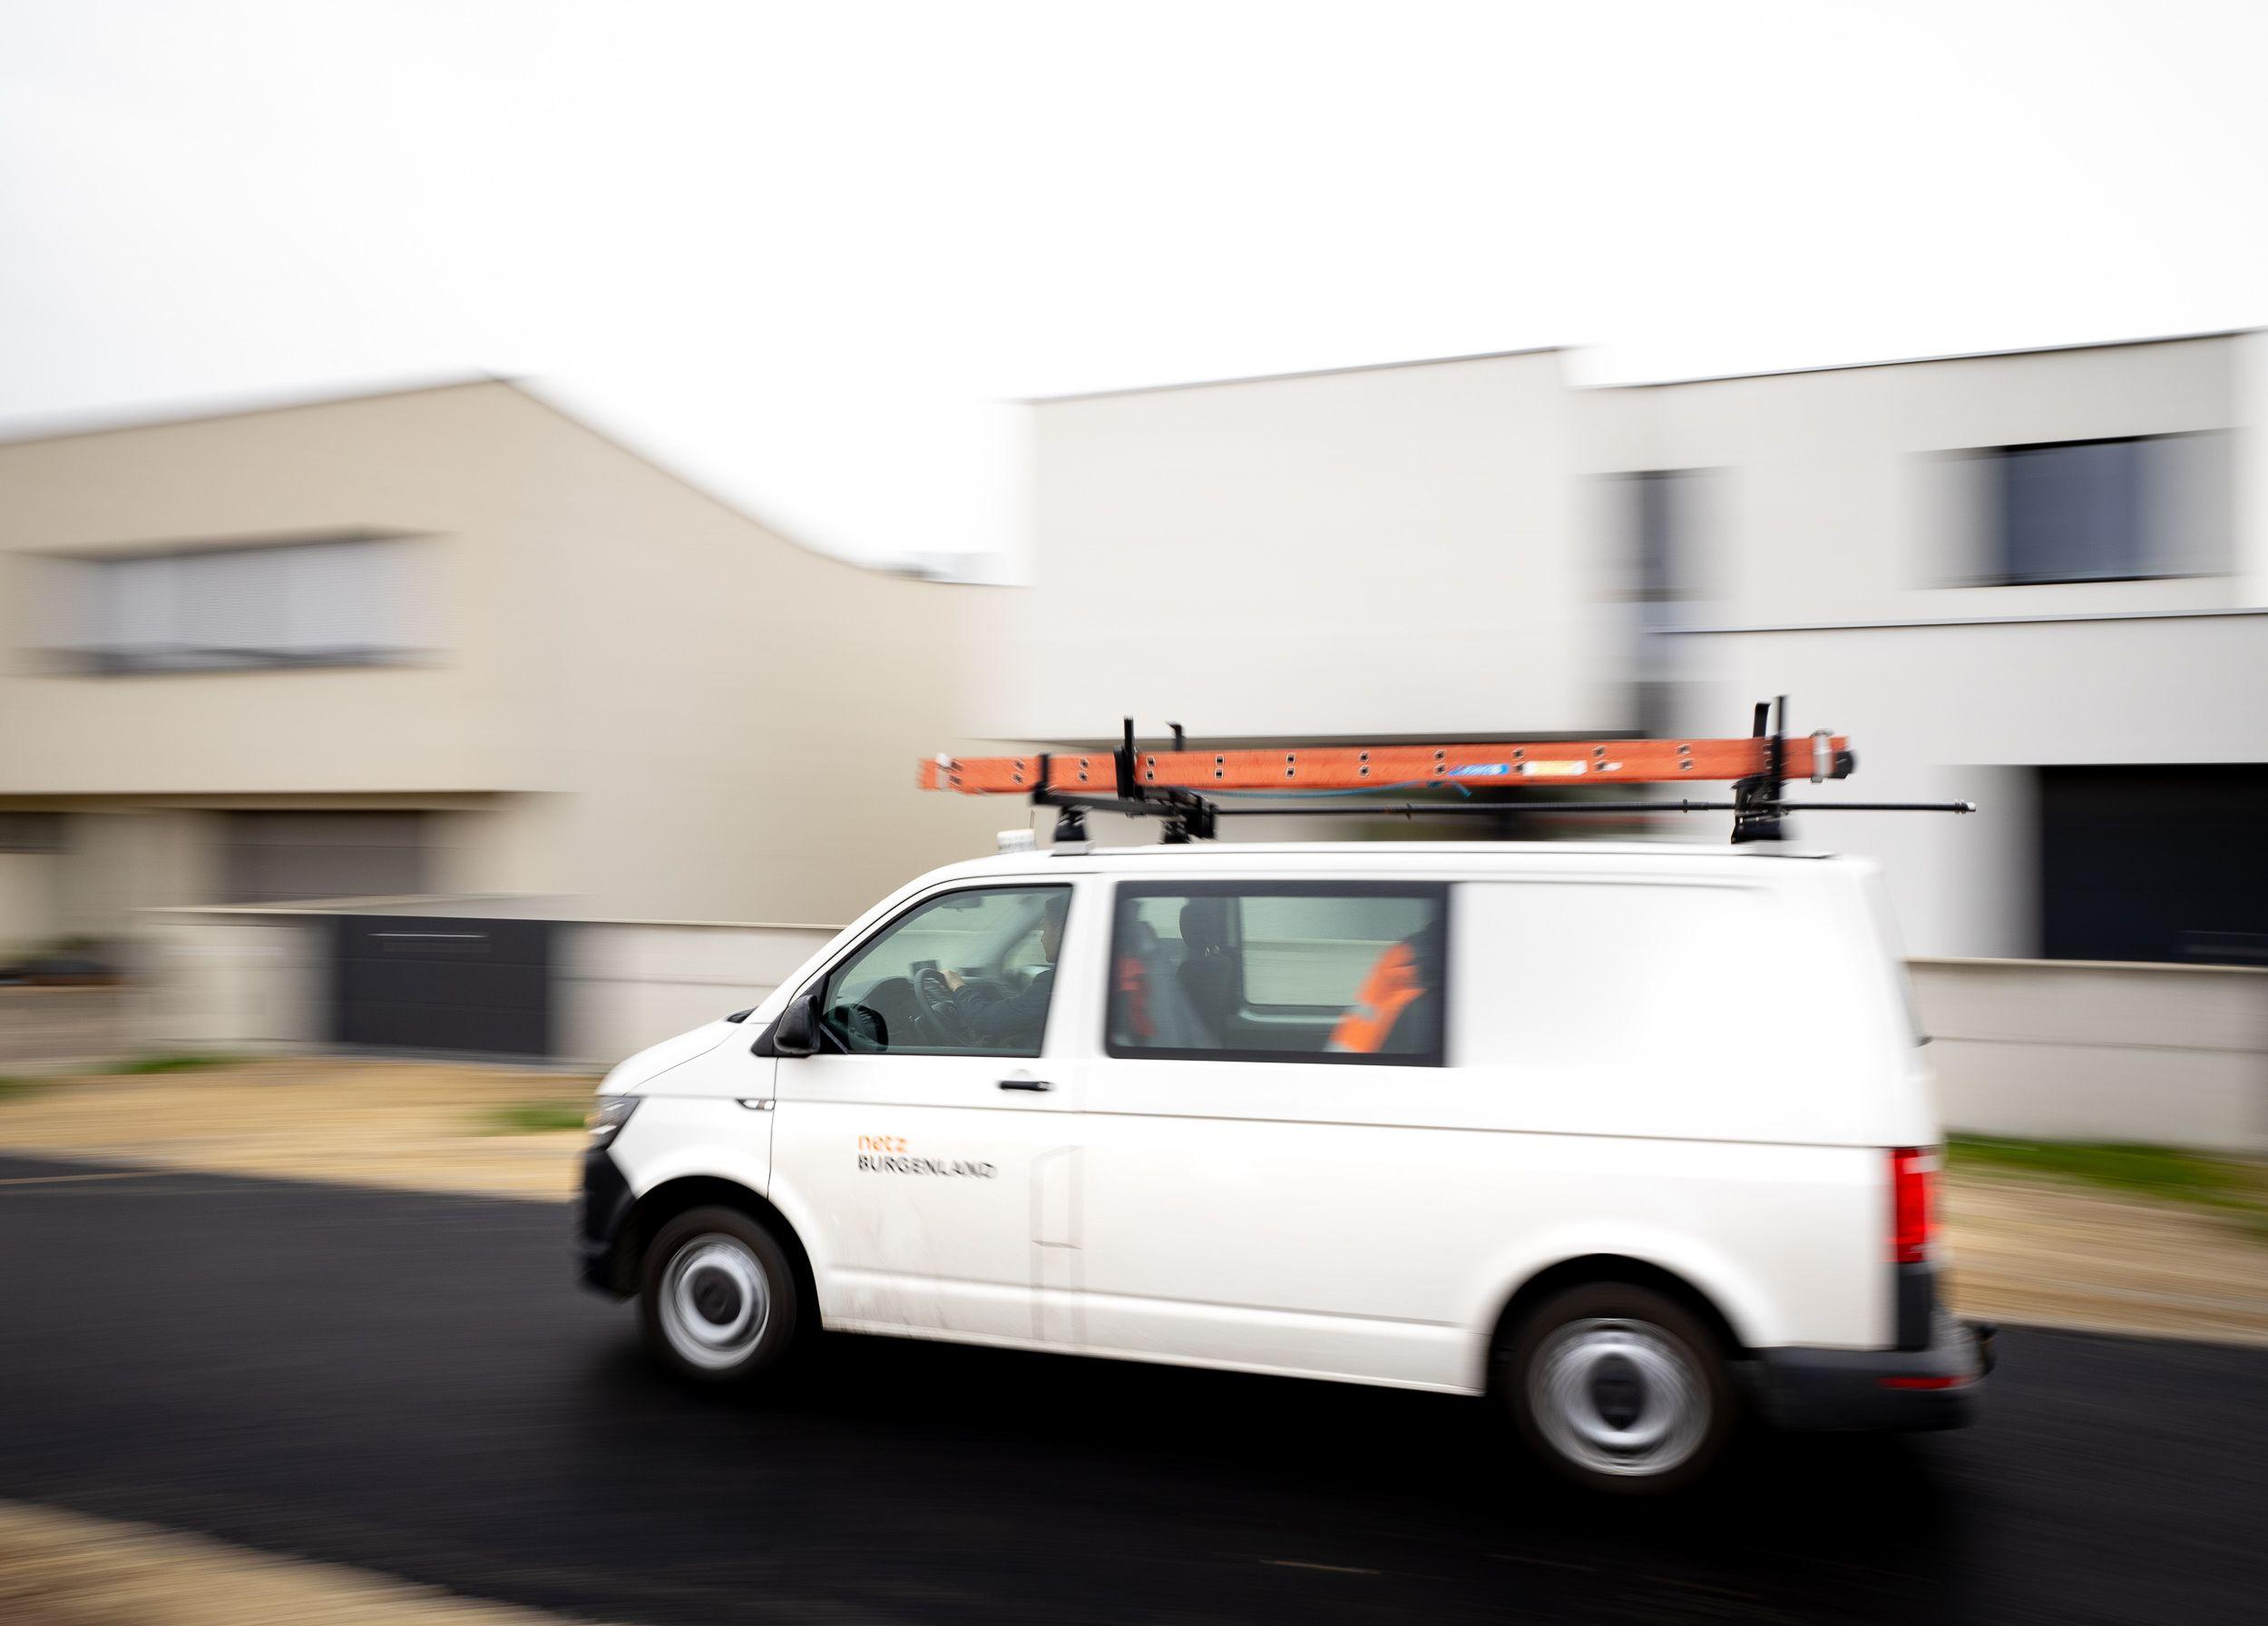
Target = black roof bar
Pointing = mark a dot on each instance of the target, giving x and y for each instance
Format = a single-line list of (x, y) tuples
[(1533, 810)]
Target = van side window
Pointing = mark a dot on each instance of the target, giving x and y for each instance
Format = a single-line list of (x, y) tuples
[(970, 972), (1277, 971)]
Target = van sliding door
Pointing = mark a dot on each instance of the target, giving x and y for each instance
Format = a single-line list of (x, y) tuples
[(1247, 1198)]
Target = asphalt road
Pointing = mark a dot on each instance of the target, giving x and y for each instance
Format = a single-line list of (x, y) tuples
[(412, 1384)]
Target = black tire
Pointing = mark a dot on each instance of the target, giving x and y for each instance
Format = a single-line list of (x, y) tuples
[(1620, 1389), (718, 1297)]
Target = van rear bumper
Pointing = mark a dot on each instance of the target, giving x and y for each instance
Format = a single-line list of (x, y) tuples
[(1938, 1386)]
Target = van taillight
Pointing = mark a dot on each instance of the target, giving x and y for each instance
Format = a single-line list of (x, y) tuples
[(1912, 1203)]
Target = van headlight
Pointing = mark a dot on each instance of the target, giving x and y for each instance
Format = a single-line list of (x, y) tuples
[(607, 1115)]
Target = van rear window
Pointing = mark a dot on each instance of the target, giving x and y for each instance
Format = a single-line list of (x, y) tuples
[(1348, 972)]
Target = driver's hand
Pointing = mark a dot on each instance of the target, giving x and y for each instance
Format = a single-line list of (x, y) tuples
[(953, 979)]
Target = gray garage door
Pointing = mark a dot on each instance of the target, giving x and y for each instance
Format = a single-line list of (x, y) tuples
[(2154, 863), (477, 987)]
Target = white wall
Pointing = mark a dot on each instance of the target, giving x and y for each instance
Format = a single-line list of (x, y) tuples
[(1367, 553), (1839, 548), (46, 1027), (2249, 521), (2067, 1051), (1963, 711), (1849, 497), (30, 900), (625, 984), (233, 981)]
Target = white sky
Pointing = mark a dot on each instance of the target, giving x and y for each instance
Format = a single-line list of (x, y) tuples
[(802, 252)]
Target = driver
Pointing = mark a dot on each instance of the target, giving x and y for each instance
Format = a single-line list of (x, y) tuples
[(1013, 1021)]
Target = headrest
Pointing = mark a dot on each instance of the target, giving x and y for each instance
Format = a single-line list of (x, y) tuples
[(1204, 923)]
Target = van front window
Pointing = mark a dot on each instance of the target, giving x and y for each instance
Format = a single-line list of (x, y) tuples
[(969, 972)]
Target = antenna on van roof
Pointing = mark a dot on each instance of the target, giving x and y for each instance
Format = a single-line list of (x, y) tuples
[(1183, 789)]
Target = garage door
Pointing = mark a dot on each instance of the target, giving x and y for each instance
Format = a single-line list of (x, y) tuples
[(479, 987), (2154, 863)]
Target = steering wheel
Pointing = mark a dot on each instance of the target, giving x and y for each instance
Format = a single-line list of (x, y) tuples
[(944, 1017)]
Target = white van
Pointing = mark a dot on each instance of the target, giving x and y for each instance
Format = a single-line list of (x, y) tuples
[(1627, 1137)]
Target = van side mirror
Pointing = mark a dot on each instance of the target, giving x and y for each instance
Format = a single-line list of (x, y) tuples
[(797, 1032)]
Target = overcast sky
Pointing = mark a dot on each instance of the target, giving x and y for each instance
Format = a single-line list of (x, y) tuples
[(802, 252)]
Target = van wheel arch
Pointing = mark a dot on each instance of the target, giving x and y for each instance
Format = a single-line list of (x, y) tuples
[(666, 1201), (1541, 1287)]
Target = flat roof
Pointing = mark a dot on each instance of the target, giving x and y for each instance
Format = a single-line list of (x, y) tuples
[(1662, 383), (1853, 366), (1315, 372)]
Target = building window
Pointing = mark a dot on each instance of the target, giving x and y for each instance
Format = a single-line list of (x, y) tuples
[(332, 603), (1662, 579), (31, 832), (1661, 534), (2078, 511), (280, 857)]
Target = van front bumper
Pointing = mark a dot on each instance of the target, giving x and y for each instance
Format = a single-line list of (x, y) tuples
[(599, 1210), (1938, 1386)]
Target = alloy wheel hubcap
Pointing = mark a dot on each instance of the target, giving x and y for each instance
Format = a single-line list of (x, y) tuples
[(1618, 1396), (715, 1301)]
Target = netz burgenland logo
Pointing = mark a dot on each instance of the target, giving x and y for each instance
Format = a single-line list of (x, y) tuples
[(886, 1154)]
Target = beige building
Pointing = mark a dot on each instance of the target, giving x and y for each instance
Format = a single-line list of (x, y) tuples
[(445, 641)]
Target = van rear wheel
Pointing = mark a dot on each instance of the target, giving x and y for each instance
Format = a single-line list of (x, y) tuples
[(716, 1295), (1619, 1388)]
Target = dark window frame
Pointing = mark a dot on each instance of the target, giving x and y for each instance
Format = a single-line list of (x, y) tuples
[(107, 658), (260, 848), (1124, 894), (1998, 571), (1660, 517), (816, 987), (36, 830), (2151, 863)]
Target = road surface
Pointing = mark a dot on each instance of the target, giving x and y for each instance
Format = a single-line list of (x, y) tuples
[(412, 1384)]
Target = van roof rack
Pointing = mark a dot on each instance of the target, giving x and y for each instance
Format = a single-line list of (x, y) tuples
[(1183, 788)]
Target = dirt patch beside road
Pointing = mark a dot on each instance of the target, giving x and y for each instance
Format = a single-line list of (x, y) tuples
[(59, 1569), (424, 1126), (2060, 1254)]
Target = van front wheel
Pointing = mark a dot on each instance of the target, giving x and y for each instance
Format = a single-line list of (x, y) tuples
[(1619, 1388), (716, 1295)]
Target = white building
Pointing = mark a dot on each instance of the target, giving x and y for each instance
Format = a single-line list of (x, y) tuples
[(2037, 580)]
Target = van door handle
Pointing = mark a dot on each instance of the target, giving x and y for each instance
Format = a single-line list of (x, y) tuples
[(1036, 1085)]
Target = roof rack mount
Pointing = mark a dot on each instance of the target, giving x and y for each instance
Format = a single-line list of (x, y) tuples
[(1179, 787)]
